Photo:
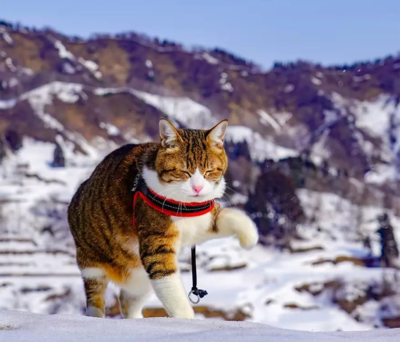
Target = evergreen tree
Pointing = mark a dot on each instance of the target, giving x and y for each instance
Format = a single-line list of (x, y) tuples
[(389, 247), (58, 157)]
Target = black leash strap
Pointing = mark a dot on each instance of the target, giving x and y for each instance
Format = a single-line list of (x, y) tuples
[(195, 291)]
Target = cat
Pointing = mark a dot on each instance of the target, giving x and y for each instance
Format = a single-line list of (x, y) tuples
[(135, 245)]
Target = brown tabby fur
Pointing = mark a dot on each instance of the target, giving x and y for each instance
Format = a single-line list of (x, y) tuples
[(101, 212)]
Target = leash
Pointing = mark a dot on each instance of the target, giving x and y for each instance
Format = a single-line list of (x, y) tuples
[(195, 291)]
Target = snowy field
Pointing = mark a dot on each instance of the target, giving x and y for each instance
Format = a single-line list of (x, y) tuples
[(21, 326)]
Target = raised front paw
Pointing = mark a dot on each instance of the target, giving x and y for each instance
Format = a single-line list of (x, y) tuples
[(247, 232), (235, 222)]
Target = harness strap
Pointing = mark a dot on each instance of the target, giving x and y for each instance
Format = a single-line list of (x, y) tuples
[(195, 291)]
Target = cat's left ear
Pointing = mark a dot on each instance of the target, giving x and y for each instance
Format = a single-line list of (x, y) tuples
[(168, 133), (217, 133)]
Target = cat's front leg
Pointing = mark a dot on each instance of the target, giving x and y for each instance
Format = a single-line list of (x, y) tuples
[(235, 222), (158, 253)]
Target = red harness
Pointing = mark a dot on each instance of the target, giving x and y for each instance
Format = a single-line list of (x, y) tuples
[(168, 206)]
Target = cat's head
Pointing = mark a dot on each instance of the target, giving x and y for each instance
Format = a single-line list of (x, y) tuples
[(190, 164)]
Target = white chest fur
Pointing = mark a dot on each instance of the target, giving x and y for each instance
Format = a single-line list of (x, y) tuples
[(192, 229)]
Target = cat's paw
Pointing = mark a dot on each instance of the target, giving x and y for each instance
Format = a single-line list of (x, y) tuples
[(245, 228), (248, 234), (236, 222), (186, 313)]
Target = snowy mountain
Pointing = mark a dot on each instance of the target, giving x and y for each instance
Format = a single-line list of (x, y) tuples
[(314, 159)]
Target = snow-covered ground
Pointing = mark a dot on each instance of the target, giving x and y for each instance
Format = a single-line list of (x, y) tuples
[(21, 326)]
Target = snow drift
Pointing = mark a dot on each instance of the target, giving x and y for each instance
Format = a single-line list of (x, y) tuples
[(22, 326)]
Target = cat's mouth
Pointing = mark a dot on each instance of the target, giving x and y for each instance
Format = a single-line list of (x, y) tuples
[(197, 195)]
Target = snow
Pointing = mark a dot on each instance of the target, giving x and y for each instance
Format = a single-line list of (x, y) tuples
[(316, 81), (91, 66), (149, 63), (10, 64), (373, 116), (181, 109), (210, 59), (225, 85), (13, 82), (21, 326), (267, 119), (381, 173), (65, 54), (380, 119), (7, 104), (111, 129), (68, 68), (7, 38), (319, 150), (260, 148), (42, 96), (283, 118), (62, 51), (288, 88)]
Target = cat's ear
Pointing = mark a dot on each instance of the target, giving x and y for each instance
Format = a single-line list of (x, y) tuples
[(217, 133), (168, 133)]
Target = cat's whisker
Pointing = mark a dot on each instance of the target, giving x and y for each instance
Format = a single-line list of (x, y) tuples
[(229, 196), (229, 201), (229, 188), (181, 207), (171, 188), (162, 207), (184, 200)]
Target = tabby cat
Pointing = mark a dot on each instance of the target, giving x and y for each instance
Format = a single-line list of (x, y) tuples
[(135, 245)]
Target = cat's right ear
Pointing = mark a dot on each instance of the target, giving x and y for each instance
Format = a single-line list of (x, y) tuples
[(168, 133)]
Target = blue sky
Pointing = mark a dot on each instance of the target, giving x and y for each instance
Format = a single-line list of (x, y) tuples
[(325, 31)]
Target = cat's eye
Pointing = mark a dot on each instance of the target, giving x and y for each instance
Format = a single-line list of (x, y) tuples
[(187, 173), (208, 171)]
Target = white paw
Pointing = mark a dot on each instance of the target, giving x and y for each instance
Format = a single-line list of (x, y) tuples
[(92, 311), (238, 223), (186, 313), (247, 233)]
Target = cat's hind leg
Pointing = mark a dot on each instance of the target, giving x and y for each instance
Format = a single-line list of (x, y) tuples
[(95, 281), (134, 293)]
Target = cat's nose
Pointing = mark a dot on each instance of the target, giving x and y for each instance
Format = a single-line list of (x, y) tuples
[(197, 188)]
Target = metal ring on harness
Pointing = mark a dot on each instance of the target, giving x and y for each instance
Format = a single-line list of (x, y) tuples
[(197, 296), (197, 292)]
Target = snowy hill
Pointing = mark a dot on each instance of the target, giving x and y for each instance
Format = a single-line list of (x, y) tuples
[(314, 159), (17, 326)]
